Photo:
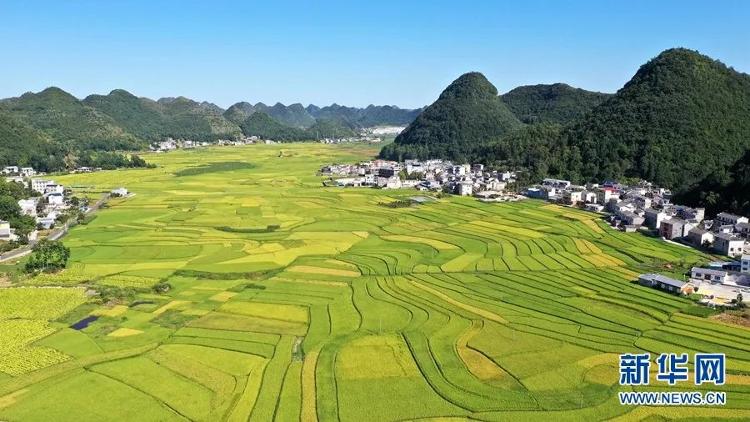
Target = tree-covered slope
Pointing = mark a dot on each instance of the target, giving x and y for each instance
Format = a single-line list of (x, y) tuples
[(723, 191), (467, 113), (193, 120), (264, 126), (65, 119), (138, 116), (327, 128), (177, 117), (293, 115), (680, 119), (556, 103), (24, 146), (238, 112)]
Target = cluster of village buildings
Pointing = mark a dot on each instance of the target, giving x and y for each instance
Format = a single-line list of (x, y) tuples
[(645, 206), (648, 206), (427, 175), (52, 200), (45, 208)]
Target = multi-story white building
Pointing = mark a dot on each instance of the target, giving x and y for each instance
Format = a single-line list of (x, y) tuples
[(40, 185), (728, 244)]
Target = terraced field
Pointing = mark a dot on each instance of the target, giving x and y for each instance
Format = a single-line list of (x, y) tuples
[(291, 301)]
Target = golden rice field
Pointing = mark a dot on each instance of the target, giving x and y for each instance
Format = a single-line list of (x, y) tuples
[(291, 301)]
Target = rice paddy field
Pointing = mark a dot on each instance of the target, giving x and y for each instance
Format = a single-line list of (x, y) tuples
[(291, 301)]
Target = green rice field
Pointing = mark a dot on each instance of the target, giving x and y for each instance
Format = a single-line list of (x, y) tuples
[(291, 301)]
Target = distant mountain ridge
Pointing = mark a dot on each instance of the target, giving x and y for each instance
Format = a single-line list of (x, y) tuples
[(296, 115), (123, 121)]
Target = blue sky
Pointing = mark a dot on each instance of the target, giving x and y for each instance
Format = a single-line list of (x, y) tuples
[(349, 52)]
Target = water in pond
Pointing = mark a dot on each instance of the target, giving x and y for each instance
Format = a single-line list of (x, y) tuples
[(80, 325)]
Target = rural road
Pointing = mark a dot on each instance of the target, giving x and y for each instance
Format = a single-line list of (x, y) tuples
[(55, 234)]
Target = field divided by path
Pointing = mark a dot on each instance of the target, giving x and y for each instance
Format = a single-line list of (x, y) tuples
[(292, 301)]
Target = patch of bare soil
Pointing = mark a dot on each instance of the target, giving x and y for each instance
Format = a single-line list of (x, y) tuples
[(734, 317)]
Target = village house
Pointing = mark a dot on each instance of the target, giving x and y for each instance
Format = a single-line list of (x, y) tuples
[(743, 229), (594, 207), (556, 183), (465, 188), (700, 237), (10, 170), (55, 199), (730, 219), (728, 244), (604, 195), (672, 228), (630, 218), (28, 206), (688, 213), (54, 188), (40, 185), (27, 172), (573, 197), (654, 218), (709, 274), (5, 232), (659, 281)]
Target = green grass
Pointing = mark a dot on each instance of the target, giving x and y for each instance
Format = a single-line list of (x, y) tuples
[(291, 300)]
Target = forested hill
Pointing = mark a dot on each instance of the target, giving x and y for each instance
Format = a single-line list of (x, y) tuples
[(682, 118), (467, 113), (556, 103), (25, 146)]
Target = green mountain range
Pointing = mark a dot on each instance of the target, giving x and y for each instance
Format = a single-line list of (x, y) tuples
[(52, 129)]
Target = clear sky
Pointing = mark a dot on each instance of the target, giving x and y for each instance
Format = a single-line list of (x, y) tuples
[(350, 52)]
